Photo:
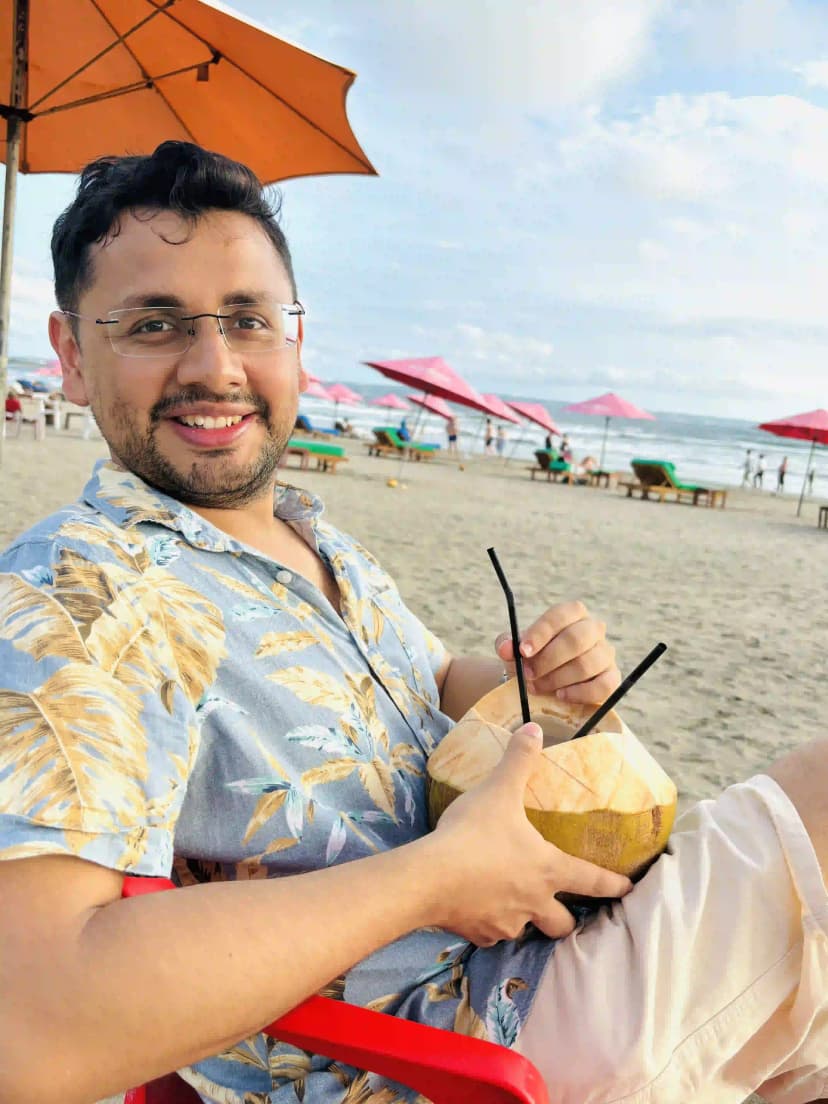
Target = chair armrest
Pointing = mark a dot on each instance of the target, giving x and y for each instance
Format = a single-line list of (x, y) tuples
[(445, 1067)]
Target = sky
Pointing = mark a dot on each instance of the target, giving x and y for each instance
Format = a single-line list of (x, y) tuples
[(626, 195)]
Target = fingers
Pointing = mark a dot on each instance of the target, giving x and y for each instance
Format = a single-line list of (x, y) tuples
[(594, 691), (550, 624), (566, 653), (588, 880), (519, 759)]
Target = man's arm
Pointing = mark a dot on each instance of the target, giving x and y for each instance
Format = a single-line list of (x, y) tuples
[(565, 652), (99, 993)]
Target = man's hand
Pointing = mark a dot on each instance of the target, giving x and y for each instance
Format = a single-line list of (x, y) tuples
[(566, 652), (500, 872)]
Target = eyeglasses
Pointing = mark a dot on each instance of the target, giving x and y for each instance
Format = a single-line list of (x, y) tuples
[(161, 331)]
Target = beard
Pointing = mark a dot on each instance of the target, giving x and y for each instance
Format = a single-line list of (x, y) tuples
[(214, 481)]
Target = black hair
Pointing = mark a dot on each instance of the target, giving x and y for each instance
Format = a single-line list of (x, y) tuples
[(179, 177)]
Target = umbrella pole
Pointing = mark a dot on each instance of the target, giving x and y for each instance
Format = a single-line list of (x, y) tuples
[(14, 136), (805, 479), (604, 443)]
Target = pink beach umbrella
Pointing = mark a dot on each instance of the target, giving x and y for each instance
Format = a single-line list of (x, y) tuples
[(391, 402), (609, 406), (812, 426), (433, 404), (501, 410), (342, 393), (537, 414), (432, 376), (316, 391)]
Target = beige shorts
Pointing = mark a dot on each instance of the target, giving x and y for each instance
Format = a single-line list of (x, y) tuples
[(709, 981)]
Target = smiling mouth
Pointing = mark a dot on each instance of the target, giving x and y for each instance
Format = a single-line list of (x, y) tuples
[(204, 421)]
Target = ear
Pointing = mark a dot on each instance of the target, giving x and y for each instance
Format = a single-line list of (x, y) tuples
[(68, 352), (303, 375)]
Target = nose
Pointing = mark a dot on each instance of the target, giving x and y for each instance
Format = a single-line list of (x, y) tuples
[(209, 359)]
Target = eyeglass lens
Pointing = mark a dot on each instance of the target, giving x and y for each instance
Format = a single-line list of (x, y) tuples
[(167, 331)]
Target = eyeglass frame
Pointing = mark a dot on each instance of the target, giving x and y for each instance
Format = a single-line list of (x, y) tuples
[(296, 308)]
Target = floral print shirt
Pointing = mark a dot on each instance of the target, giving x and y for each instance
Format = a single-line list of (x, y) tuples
[(176, 703)]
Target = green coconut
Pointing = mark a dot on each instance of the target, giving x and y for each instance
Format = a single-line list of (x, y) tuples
[(602, 797)]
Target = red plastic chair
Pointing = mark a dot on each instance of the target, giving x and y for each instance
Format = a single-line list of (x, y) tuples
[(445, 1067)]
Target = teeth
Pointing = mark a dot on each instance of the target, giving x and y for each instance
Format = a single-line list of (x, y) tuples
[(210, 423)]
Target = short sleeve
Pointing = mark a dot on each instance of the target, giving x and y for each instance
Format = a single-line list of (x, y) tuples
[(98, 725)]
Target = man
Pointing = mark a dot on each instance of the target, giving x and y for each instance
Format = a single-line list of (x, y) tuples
[(781, 471), (200, 674), (747, 468), (759, 471)]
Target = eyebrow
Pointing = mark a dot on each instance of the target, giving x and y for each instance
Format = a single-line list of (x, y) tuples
[(166, 299)]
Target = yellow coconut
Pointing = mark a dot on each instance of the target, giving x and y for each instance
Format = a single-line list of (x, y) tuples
[(602, 797)]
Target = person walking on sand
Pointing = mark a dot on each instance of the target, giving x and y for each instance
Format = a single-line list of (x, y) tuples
[(200, 674), (759, 471), (810, 478), (501, 439), (451, 433), (747, 469), (489, 436), (780, 475)]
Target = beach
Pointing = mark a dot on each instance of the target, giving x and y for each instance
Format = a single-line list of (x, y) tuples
[(738, 595)]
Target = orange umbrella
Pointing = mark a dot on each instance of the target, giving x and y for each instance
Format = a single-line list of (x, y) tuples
[(94, 77)]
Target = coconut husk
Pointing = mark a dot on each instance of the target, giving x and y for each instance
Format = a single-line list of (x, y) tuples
[(601, 797)]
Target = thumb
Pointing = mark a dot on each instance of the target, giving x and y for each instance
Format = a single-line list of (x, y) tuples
[(503, 646), (521, 756)]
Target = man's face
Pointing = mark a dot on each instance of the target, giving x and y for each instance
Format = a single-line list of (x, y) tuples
[(142, 405)]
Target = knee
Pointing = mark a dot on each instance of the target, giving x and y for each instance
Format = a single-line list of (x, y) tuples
[(803, 775)]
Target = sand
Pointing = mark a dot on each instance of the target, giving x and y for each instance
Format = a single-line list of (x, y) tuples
[(739, 595)]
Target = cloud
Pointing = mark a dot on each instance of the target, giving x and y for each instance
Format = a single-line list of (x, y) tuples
[(526, 357), (814, 73), (698, 149), (536, 56)]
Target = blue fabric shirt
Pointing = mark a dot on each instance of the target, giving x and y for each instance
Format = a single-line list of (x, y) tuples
[(173, 702)]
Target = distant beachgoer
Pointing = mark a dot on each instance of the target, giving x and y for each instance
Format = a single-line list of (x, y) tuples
[(548, 441), (810, 479), (780, 475), (500, 444), (451, 433), (759, 471), (403, 432), (566, 448), (747, 469), (489, 435)]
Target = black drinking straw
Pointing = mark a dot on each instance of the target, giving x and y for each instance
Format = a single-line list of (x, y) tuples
[(614, 698), (510, 602)]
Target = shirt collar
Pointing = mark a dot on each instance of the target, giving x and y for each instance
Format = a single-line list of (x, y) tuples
[(127, 500)]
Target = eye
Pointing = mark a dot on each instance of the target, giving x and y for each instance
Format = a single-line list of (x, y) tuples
[(153, 326)]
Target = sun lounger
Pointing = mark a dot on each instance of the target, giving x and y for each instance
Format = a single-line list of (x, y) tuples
[(552, 469), (387, 442), (327, 457), (304, 423), (658, 479)]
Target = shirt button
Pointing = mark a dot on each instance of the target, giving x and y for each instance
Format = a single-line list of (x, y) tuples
[(284, 577)]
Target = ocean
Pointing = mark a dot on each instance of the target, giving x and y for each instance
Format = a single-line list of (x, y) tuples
[(703, 448)]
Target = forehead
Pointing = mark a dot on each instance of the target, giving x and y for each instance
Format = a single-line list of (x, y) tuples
[(195, 261)]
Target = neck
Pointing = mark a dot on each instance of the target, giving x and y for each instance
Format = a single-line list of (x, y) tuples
[(246, 523)]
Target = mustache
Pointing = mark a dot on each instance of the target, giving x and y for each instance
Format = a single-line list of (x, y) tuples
[(204, 394)]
